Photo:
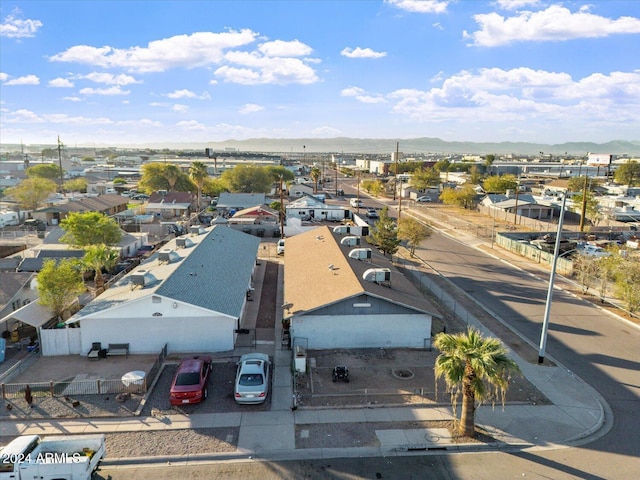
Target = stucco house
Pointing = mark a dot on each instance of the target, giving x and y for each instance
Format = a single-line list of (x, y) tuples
[(190, 295), (310, 208), (340, 294)]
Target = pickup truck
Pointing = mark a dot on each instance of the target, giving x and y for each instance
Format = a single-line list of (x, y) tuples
[(72, 457)]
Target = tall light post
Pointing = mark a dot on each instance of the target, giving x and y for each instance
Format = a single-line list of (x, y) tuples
[(395, 183), (547, 309)]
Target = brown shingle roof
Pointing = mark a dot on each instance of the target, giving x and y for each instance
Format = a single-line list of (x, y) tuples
[(309, 282)]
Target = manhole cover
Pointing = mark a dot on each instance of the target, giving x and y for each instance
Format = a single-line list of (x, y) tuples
[(402, 373)]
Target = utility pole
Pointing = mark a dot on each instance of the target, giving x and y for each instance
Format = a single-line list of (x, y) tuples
[(400, 192), (583, 212), (281, 208), (395, 183), (358, 197), (60, 163), (515, 212)]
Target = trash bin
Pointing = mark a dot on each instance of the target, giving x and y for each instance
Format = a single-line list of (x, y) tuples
[(300, 360)]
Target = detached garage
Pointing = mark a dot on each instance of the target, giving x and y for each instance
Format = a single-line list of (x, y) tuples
[(343, 296), (191, 295)]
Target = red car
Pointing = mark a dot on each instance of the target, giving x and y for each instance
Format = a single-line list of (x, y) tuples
[(190, 383)]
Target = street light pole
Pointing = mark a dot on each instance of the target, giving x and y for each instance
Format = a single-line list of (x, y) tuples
[(547, 309)]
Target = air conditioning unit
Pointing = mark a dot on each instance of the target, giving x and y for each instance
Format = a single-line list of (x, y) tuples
[(351, 241), (377, 275)]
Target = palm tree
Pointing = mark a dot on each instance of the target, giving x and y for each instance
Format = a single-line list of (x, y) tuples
[(476, 366), (199, 175), (315, 175), (97, 257), (172, 173)]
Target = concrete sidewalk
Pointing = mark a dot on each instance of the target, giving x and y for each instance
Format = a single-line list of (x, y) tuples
[(577, 413)]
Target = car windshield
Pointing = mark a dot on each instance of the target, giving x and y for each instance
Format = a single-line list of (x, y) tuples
[(187, 378), (250, 379)]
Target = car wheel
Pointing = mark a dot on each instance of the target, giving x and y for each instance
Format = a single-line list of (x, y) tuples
[(205, 394)]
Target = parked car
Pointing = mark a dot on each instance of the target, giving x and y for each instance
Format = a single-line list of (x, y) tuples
[(424, 198), (140, 196), (372, 213), (594, 251), (280, 247), (190, 382), (355, 203), (252, 378)]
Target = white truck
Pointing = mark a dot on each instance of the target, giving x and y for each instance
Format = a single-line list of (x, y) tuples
[(68, 457)]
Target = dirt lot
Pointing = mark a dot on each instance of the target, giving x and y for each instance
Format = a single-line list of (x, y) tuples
[(385, 377)]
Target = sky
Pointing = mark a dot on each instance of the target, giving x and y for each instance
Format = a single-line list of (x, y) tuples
[(147, 72)]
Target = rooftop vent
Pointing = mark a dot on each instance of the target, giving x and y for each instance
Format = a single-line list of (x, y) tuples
[(141, 278), (167, 255), (183, 242), (351, 240), (360, 253), (377, 275), (342, 229), (196, 230)]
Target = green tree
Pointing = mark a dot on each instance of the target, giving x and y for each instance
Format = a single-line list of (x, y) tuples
[(119, 181), (30, 193), (592, 206), (384, 233), (576, 184), (75, 185), (164, 176), (475, 177), (97, 257), (247, 179), (628, 173), (476, 367), (315, 176), (275, 172), (90, 228), (374, 187), (627, 282), (88, 158), (489, 159), (59, 285), (44, 170), (214, 187), (198, 174), (462, 197), (423, 179), (500, 183), (442, 165), (413, 232)]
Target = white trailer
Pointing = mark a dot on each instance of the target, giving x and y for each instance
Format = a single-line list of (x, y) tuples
[(8, 218), (69, 457)]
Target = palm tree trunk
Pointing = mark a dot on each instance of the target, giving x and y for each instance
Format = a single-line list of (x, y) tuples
[(467, 425)]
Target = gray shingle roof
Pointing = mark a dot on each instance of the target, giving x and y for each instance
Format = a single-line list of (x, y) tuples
[(216, 275)]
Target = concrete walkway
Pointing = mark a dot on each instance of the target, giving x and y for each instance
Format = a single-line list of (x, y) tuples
[(577, 413)]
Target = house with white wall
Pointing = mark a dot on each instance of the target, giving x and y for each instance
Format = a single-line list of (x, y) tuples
[(190, 295), (342, 293)]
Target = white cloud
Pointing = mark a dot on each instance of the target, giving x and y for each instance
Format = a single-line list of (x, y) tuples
[(516, 4), (178, 108), (360, 95), (187, 51), (280, 48), (556, 23), (420, 6), (190, 125), (26, 80), (326, 131), (184, 93), (60, 83), (361, 53), (110, 79), (250, 108), (3, 76), (13, 27), (104, 91), (273, 62), (72, 99), (523, 95)]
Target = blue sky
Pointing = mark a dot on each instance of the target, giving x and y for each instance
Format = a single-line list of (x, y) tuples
[(144, 72)]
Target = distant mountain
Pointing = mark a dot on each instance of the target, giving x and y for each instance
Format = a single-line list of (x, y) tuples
[(424, 145), (381, 146)]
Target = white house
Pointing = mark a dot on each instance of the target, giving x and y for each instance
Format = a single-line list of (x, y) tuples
[(311, 208), (191, 295), (341, 293)]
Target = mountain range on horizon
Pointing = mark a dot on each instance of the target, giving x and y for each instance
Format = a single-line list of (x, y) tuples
[(378, 146)]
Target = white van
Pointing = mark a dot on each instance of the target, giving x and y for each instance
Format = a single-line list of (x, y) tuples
[(355, 203), (280, 247)]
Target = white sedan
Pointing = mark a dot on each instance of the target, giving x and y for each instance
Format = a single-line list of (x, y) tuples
[(252, 378)]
